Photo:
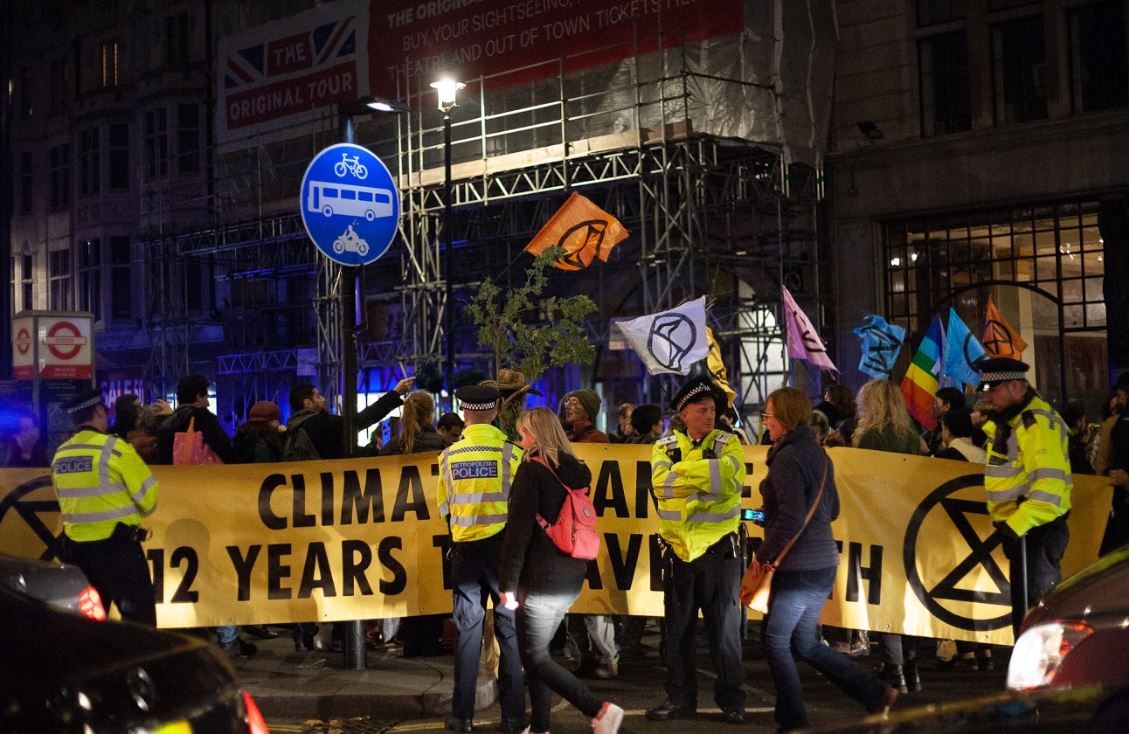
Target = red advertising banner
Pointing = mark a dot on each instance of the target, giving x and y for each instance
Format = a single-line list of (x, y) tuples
[(469, 38)]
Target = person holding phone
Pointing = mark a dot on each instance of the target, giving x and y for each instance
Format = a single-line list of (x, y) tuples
[(797, 469)]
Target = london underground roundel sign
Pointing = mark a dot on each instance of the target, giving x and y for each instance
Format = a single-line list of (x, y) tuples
[(350, 204)]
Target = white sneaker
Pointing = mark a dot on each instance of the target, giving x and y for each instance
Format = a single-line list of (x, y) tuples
[(608, 720)]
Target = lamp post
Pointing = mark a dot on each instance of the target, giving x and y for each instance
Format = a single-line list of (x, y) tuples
[(350, 304), (446, 89)]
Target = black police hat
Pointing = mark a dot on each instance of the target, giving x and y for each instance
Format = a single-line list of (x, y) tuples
[(1001, 369), (85, 399), (477, 397), (696, 389)]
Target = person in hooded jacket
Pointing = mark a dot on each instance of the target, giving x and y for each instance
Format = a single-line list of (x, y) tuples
[(539, 580)]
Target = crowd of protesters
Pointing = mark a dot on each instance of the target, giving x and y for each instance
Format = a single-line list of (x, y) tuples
[(876, 419)]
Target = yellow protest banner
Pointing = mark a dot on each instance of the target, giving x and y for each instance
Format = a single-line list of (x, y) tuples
[(361, 539)]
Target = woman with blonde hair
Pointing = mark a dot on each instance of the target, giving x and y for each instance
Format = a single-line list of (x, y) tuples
[(536, 578), (417, 427), (885, 425)]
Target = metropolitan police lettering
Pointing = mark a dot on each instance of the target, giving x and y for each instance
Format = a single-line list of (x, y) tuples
[(73, 465), (487, 469)]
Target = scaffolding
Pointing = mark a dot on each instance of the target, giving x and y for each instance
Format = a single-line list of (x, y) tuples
[(721, 216)]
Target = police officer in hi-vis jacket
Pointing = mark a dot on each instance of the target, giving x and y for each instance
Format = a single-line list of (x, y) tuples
[(1028, 480), (475, 474), (104, 489), (697, 477)]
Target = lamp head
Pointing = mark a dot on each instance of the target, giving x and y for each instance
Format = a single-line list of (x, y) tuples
[(446, 90)]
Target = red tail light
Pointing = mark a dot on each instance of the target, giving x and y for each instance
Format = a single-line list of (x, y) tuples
[(90, 604), (256, 724)]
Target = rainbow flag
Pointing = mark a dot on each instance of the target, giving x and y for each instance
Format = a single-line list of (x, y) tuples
[(920, 382)]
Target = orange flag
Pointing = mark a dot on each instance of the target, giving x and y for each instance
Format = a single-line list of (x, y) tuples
[(584, 230), (1001, 339)]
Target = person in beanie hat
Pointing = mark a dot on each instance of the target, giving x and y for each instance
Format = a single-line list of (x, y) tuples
[(1027, 478), (697, 475), (259, 440), (104, 490), (582, 407), (594, 633)]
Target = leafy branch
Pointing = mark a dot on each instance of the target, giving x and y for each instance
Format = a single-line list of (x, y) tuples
[(530, 334)]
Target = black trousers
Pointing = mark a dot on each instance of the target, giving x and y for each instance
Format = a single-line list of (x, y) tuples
[(710, 583), (1045, 546), (474, 574), (117, 569)]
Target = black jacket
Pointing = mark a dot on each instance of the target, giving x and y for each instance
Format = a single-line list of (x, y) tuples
[(327, 431), (206, 423), (529, 559), (795, 469), (428, 440)]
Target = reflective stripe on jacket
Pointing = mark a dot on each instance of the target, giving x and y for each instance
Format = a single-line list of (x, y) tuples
[(1030, 485), (699, 498), (475, 474), (100, 481)]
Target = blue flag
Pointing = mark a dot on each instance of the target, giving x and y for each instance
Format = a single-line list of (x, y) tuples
[(962, 351), (881, 343)]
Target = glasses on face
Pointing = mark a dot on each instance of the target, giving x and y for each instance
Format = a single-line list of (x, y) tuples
[(767, 415)]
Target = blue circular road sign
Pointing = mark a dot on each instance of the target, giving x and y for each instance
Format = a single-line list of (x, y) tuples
[(350, 204)]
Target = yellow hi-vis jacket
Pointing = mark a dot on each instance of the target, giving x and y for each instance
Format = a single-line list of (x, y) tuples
[(475, 474), (100, 481), (1029, 485), (699, 498)]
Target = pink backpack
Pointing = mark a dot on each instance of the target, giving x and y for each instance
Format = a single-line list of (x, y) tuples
[(574, 532)]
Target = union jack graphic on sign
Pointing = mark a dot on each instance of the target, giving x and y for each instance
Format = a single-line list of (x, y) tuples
[(291, 68)]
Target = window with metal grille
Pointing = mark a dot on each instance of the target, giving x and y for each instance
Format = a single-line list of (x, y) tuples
[(188, 138)]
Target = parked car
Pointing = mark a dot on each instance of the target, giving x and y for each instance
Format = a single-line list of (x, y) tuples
[(1079, 633), (65, 673), (60, 585)]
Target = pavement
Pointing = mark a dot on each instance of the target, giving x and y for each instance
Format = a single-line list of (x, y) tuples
[(315, 685)]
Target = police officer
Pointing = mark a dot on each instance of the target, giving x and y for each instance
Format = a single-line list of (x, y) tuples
[(474, 488), (104, 489), (1027, 478), (697, 477)]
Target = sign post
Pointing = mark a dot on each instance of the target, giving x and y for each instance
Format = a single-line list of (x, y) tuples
[(54, 350), (351, 210)]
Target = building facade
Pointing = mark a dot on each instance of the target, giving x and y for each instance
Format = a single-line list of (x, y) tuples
[(979, 149)]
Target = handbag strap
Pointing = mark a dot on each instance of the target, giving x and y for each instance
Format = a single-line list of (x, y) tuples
[(811, 513), (545, 524)]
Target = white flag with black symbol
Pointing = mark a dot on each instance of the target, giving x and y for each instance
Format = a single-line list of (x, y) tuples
[(670, 341)]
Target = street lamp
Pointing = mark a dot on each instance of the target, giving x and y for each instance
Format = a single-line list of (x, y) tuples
[(446, 89)]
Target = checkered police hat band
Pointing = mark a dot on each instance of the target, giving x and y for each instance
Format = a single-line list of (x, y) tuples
[(480, 406), (1002, 376), (694, 392), (85, 404)]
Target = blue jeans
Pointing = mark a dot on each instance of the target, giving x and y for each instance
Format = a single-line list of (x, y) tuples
[(792, 626), (538, 617)]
